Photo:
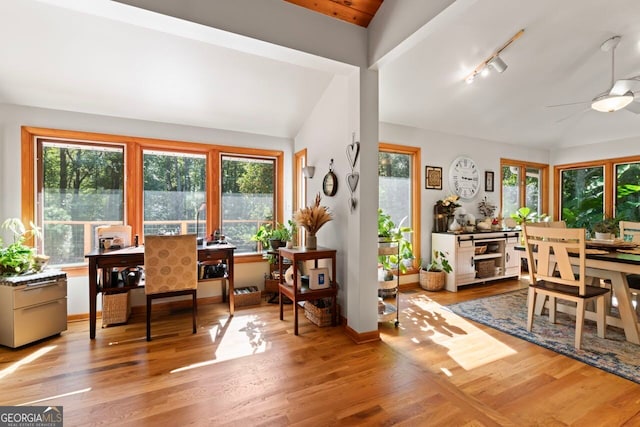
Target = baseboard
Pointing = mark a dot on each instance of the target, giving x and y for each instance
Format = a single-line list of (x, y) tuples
[(362, 338)]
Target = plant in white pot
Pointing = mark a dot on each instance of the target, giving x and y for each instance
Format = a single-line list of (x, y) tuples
[(607, 229), (433, 275)]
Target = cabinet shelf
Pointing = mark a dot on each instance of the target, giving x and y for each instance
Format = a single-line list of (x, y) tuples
[(488, 256)]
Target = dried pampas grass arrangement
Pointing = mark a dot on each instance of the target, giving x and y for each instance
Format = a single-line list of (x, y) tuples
[(313, 217)]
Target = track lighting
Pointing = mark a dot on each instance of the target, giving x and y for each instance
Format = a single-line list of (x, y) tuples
[(494, 61)]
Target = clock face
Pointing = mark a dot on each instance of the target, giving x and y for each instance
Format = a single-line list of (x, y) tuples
[(330, 184), (464, 177)]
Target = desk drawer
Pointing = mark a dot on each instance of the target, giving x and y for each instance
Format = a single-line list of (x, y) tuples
[(24, 296), (39, 321)]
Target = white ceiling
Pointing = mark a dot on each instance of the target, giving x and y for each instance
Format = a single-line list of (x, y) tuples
[(64, 59)]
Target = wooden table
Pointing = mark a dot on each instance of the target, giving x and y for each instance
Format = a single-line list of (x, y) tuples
[(107, 259), (615, 266), (305, 294)]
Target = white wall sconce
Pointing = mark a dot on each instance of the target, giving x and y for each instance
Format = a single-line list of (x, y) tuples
[(308, 171)]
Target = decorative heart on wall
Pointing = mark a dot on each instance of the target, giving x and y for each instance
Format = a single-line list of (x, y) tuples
[(353, 150), (352, 180)]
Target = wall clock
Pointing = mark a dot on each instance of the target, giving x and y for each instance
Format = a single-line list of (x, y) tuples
[(464, 177), (330, 182)]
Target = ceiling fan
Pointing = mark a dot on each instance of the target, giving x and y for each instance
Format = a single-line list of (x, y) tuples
[(621, 93)]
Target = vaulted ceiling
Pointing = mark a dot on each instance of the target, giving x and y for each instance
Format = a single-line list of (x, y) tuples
[(359, 12), (60, 58)]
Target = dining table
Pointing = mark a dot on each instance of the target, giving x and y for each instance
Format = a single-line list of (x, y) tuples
[(612, 261)]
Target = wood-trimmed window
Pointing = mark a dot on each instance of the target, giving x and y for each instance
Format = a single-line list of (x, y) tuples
[(399, 182), (523, 184), (206, 167), (586, 192)]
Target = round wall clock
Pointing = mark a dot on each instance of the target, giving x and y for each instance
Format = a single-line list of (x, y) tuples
[(464, 177), (330, 184)]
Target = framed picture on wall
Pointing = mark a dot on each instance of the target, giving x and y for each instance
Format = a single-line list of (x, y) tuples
[(433, 178), (488, 181)]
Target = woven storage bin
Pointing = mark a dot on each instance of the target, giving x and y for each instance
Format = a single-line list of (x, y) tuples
[(479, 250), (485, 268), (432, 280), (318, 316), (116, 308), (247, 296)]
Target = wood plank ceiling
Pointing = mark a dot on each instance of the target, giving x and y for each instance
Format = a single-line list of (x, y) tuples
[(359, 12)]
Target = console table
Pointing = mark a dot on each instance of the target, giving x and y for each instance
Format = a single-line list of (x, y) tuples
[(107, 259), (300, 294)]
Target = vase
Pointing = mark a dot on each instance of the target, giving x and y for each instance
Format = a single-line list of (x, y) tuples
[(455, 226), (311, 242)]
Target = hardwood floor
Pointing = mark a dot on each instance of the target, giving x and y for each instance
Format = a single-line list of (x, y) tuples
[(436, 370)]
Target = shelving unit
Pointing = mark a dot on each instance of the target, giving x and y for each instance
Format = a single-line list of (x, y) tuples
[(387, 311), (478, 257)]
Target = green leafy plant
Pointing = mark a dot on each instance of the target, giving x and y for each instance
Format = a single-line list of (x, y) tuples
[(607, 225), (438, 262), (17, 258), (389, 232), (524, 215)]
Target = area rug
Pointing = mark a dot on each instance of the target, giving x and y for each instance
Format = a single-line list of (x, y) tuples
[(508, 313)]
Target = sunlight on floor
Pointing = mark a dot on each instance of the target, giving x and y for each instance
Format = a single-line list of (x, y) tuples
[(57, 396), (24, 361), (232, 338), (468, 345)]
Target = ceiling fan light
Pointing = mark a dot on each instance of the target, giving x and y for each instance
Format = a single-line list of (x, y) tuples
[(498, 64), (611, 103)]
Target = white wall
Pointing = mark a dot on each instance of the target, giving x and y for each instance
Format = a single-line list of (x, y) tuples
[(438, 149), (13, 117), (603, 150)]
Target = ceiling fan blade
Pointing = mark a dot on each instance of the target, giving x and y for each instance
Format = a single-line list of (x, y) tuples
[(573, 115), (634, 107), (623, 86), (567, 104)]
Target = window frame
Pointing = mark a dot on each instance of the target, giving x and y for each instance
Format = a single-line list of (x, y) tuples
[(133, 188), (544, 181), (416, 187), (610, 180)]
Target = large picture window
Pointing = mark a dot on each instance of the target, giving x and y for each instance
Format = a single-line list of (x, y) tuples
[(83, 180), (399, 189)]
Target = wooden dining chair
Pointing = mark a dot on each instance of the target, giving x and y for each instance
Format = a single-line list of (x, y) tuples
[(547, 245), (171, 269), (632, 228)]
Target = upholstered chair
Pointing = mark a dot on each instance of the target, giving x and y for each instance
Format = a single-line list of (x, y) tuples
[(171, 269)]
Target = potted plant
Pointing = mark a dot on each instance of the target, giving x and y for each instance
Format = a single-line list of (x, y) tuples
[(388, 232), (606, 229), (18, 258), (433, 275)]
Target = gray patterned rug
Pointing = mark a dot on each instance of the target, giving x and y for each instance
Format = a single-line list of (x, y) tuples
[(508, 313)]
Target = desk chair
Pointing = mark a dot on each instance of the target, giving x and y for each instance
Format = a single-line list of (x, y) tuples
[(632, 228), (171, 269), (560, 243)]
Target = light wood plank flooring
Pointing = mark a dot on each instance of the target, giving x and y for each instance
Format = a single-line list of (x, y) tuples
[(434, 370)]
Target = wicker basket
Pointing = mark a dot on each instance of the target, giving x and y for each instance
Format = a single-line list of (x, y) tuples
[(116, 308), (432, 280), (485, 268), (247, 296), (480, 249), (318, 316)]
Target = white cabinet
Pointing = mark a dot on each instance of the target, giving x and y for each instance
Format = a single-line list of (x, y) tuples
[(32, 307), (478, 257)]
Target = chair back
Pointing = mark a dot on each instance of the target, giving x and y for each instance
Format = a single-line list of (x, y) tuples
[(548, 247), (632, 228), (548, 224), (170, 263)]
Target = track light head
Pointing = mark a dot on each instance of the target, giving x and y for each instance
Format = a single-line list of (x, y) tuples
[(498, 64)]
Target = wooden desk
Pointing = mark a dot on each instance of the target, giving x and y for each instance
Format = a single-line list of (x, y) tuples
[(305, 294), (131, 256), (615, 266)]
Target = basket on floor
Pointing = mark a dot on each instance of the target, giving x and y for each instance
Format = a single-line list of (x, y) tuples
[(320, 316), (250, 295), (432, 280), (116, 308)]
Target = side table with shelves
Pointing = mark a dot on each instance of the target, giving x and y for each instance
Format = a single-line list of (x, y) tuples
[(303, 293), (388, 311)]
